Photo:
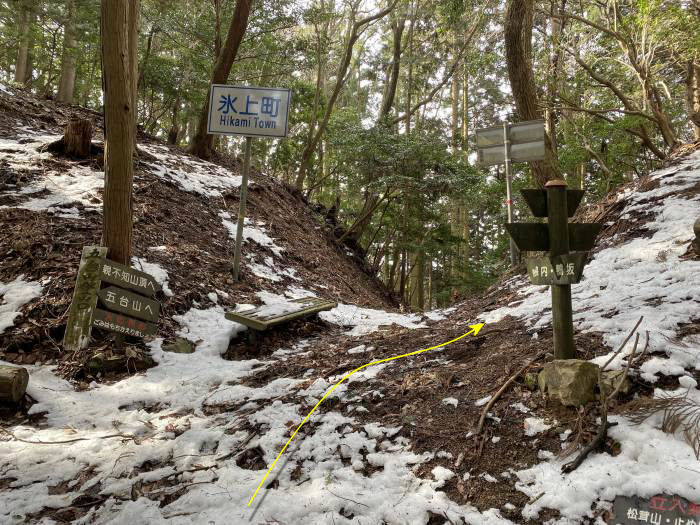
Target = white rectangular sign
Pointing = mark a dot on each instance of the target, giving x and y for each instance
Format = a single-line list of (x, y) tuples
[(249, 111)]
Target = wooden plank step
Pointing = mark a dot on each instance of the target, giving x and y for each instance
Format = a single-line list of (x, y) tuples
[(267, 316)]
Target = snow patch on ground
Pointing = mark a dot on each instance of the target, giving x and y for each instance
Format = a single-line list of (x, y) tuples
[(13, 296), (535, 425), (167, 416), (362, 321), (156, 271), (77, 185), (251, 231), (190, 174), (650, 462)]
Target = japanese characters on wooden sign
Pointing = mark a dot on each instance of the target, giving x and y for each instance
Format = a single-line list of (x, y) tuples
[(658, 510), (129, 303), (562, 269), (127, 312), (122, 324), (127, 277)]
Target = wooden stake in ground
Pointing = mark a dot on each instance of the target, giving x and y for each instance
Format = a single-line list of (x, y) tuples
[(13, 383), (87, 284)]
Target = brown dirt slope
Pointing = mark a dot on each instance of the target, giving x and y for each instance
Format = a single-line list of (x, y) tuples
[(197, 256)]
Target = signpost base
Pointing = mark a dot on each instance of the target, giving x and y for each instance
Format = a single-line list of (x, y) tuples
[(562, 322)]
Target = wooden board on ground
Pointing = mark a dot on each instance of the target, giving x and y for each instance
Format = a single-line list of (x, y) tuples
[(265, 317)]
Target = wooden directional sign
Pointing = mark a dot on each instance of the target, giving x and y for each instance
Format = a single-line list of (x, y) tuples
[(127, 277), (129, 303), (122, 324), (562, 269), (84, 314)]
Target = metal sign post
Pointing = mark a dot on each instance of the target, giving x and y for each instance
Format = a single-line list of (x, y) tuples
[(509, 190), (241, 209), (520, 142), (251, 112)]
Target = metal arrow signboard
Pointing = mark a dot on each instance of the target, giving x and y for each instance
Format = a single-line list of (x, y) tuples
[(521, 142)]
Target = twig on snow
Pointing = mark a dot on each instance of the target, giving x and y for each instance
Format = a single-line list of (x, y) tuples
[(498, 394), (347, 499)]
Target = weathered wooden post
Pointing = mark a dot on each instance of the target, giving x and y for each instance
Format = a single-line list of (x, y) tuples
[(562, 315), (82, 308)]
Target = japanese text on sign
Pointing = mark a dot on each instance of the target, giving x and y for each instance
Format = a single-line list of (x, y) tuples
[(248, 111), (658, 510)]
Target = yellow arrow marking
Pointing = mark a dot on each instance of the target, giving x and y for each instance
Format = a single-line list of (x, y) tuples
[(474, 329)]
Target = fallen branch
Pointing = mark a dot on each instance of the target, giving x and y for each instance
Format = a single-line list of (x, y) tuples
[(5, 431), (593, 445), (498, 394), (605, 399)]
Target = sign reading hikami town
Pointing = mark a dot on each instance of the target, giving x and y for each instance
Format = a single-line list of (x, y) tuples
[(127, 313), (249, 111)]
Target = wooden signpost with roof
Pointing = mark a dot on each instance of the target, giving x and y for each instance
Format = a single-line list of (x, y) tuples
[(561, 268)]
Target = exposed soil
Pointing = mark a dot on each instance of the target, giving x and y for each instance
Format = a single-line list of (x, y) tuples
[(42, 246)]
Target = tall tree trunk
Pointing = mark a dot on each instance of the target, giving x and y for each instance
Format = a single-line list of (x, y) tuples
[(409, 80), (454, 139), (692, 94), (174, 132), (202, 143), (371, 197), (397, 28), (117, 24), (68, 60), (22, 69), (518, 45), (465, 109)]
